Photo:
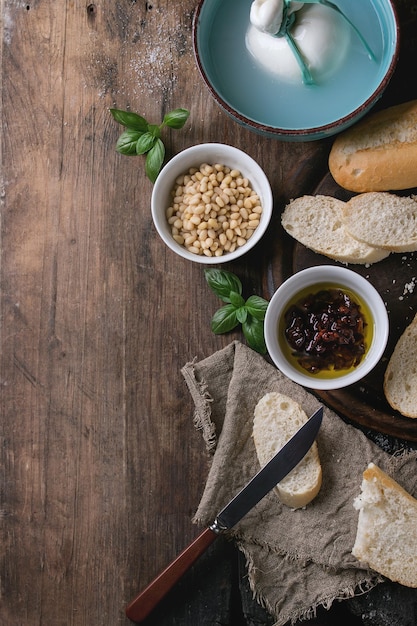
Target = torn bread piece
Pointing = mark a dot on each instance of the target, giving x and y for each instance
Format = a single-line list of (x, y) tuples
[(387, 527)]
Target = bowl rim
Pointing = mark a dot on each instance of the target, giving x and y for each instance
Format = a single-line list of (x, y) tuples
[(322, 274), (324, 130), (169, 169)]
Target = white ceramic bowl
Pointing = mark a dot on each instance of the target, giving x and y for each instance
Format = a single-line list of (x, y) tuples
[(195, 156), (314, 277)]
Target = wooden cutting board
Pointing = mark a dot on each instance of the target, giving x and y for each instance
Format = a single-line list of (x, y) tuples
[(395, 278)]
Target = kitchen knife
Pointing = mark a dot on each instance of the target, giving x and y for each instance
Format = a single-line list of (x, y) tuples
[(272, 473)]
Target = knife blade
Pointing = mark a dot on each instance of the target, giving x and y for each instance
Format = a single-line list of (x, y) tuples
[(272, 473)]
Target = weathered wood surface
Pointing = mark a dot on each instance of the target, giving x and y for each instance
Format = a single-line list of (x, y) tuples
[(101, 466)]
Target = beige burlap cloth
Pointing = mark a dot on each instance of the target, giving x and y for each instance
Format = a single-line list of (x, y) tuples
[(297, 559)]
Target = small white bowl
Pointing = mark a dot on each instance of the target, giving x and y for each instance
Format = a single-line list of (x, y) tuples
[(195, 156), (315, 278)]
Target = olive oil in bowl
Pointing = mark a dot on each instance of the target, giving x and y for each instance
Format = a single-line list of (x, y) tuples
[(326, 330), (367, 331)]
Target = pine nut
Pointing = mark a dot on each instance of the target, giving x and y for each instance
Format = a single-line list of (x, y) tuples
[(213, 210), (189, 240)]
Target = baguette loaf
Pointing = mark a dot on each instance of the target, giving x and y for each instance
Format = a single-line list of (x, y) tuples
[(387, 527), (400, 379), (379, 153), (317, 223), (383, 220), (276, 419)]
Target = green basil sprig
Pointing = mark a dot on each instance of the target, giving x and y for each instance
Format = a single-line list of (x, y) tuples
[(250, 313), (140, 137)]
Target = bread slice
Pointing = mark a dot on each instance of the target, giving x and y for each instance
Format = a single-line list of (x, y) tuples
[(276, 419), (400, 378), (383, 220), (317, 223), (378, 153), (387, 527)]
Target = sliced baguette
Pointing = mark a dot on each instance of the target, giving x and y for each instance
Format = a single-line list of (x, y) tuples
[(379, 153), (317, 223), (400, 378), (387, 527), (383, 220), (276, 419)]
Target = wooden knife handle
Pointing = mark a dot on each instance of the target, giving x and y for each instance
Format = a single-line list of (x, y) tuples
[(148, 599)]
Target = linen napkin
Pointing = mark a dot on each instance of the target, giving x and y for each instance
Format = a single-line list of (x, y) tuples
[(299, 559)]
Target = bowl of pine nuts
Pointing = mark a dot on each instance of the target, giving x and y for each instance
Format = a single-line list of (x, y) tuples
[(211, 203)]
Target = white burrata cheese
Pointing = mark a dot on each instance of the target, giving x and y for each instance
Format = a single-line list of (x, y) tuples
[(266, 15), (321, 34)]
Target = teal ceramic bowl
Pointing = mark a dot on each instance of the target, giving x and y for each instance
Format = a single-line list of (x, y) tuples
[(291, 110)]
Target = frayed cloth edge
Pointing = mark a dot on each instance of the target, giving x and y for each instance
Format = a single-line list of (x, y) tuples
[(256, 594), (360, 588), (363, 586), (202, 406)]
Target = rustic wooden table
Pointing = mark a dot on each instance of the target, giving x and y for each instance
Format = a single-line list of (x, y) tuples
[(101, 466)]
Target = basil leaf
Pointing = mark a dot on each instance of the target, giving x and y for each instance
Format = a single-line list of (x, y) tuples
[(224, 319), (140, 137), (154, 130), (145, 143), (176, 118), (222, 283), (253, 331), (236, 299), (129, 119), (257, 307), (126, 144), (242, 314), (154, 160)]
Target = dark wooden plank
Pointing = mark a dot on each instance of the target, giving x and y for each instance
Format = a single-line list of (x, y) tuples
[(365, 403)]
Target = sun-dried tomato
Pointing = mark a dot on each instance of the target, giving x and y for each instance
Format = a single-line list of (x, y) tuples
[(326, 331)]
